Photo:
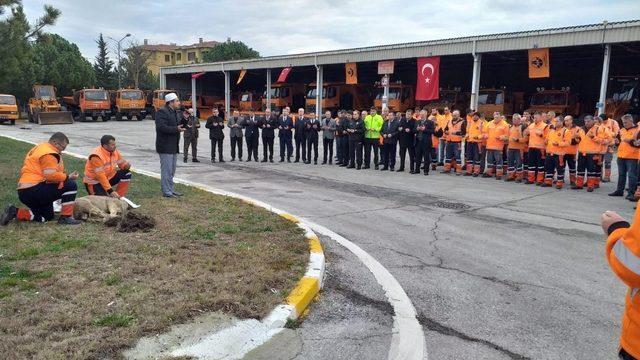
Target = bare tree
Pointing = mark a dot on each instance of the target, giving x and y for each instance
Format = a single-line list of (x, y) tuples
[(136, 61)]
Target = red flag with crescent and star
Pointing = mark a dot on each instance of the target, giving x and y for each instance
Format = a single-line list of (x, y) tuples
[(428, 83), (283, 75)]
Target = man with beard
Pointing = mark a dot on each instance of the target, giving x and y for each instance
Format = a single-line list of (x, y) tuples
[(406, 135)]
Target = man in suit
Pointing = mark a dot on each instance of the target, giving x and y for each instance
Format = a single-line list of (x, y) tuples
[(300, 136), (191, 124), (215, 124), (328, 134), (341, 138), (406, 135), (425, 129), (235, 134), (312, 127), (268, 123), (285, 128), (355, 129), (252, 134), (389, 133)]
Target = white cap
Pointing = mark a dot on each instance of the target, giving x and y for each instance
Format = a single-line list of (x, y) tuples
[(170, 97)]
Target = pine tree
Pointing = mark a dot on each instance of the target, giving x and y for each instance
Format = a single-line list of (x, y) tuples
[(103, 67)]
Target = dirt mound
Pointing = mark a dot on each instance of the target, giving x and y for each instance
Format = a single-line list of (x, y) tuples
[(132, 222)]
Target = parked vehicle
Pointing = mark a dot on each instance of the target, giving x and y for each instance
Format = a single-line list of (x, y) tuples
[(401, 97), (507, 103), (623, 96), (283, 95), (45, 109), (454, 99), (562, 102), (155, 100), (249, 101), (8, 109), (337, 96), (127, 103), (92, 103)]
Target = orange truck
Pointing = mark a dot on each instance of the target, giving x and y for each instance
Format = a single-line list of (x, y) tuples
[(500, 100), (454, 99), (623, 96), (283, 95), (249, 101), (155, 100), (562, 102), (204, 104), (92, 103), (401, 97), (337, 96), (8, 109), (127, 103)]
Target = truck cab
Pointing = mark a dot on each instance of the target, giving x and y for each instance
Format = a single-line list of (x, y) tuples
[(562, 102), (283, 95), (8, 108), (401, 97), (94, 103), (249, 101), (500, 100), (127, 103), (623, 97), (155, 100), (337, 96), (454, 99)]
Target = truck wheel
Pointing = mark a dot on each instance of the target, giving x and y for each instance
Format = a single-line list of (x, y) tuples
[(129, 117), (13, 122), (140, 117), (153, 114), (106, 118), (118, 117)]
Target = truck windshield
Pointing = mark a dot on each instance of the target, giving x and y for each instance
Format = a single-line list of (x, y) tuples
[(7, 100), (448, 97), (549, 99), (245, 97), (273, 93), (624, 89), (96, 95), (44, 92), (394, 93), (312, 93), (491, 98), (132, 95)]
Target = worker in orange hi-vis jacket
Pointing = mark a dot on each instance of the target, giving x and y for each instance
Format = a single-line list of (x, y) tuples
[(590, 138), (623, 254), (526, 121), (614, 128), (537, 133), (628, 157), (473, 144), (106, 173), (497, 135), (515, 149), (557, 141), (572, 149), (606, 140), (455, 131)]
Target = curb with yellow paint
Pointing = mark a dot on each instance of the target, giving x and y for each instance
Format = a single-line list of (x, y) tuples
[(307, 287)]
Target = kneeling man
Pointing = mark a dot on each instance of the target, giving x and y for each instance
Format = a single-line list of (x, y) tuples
[(106, 172)]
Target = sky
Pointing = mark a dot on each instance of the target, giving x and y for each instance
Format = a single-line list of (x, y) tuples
[(279, 27)]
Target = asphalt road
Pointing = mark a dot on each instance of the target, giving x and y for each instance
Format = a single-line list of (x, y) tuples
[(495, 270)]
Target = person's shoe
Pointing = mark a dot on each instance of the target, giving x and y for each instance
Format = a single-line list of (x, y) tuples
[(631, 197), (377, 167), (177, 193), (351, 167), (232, 159), (254, 159), (391, 169), (184, 161), (344, 165), (281, 160), (617, 193), (433, 166), (426, 173), (249, 160), (475, 175), (221, 161), (195, 160), (485, 175), (589, 189), (264, 160), (270, 160), (545, 185), (295, 161), (411, 172), (358, 167), (289, 161), (315, 162), (330, 162), (384, 168), (400, 170), (68, 220), (168, 195), (440, 164), (240, 159), (366, 167), (213, 160), (9, 213)]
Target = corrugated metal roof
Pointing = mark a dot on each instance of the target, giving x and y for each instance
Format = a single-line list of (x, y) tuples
[(614, 32)]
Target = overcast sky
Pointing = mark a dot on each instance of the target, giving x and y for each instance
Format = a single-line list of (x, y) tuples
[(286, 26)]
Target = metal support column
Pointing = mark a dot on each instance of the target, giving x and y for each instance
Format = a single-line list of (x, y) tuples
[(268, 89), (475, 81), (227, 93), (320, 90), (193, 96), (163, 80), (605, 79), (385, 95)]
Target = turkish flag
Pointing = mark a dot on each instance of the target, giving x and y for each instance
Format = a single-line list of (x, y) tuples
[(428, 80), (283, 75)]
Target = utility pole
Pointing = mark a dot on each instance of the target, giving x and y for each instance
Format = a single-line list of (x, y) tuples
[(119, 42)]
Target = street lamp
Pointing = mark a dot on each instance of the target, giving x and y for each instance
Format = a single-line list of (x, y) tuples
[(119, 64)]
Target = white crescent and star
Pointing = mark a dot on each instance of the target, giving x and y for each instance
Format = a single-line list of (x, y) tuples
[(427, 66)]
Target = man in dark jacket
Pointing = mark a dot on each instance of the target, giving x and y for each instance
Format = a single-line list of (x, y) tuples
[(191, 124), (312, 127), (407, 133), (252, 134), (268, 124), (300, 136), (389, 133), (328, 134), (168, 131), (285, 126), (215, 124), (341, 138), (355, 129), (424, 130), (235, 124)]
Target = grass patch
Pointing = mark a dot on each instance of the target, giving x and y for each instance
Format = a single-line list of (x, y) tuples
[(90, 291)]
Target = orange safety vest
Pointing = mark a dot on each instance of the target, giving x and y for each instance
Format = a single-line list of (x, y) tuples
[(453, 129), (612, 125), (560, 136), (587, 144), (515, 132), (572, 149), (623, 253), (474, 130), (494, 131), (32, 173), (442, 121), (626, 150), (537, 141), (110, 160)]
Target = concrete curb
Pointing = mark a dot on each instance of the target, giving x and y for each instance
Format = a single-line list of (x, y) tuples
[(307, 288)]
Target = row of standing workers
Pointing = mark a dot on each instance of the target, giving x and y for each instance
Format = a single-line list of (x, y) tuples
[(539, 148)]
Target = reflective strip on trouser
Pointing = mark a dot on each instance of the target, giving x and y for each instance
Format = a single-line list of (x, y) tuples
[(39, 199)]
